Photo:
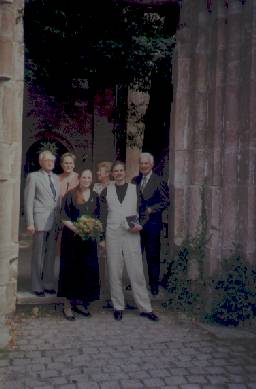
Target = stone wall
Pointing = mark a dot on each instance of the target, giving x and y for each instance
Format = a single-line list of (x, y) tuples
[(213, 130), (11, 98)]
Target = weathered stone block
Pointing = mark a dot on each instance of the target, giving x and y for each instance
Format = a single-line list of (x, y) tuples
[(216, 177), (184, 70), (181, 122), (8, 252), (8, 112), (201, 75), (11, 292), (3, 302), (179, 215), (4, 332), (7, 154), (4, 271), (19, 62), (214, 216), (5, 211), (16, 210), (200, 168), (6, 20), (229, 216), (230, 167), (180, 166), (6, 63), (194, 208)]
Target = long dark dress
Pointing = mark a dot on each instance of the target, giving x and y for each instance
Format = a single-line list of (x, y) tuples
[(79, 266)]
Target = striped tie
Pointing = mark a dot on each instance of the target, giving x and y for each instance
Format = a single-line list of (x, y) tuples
[(143, 183), (52, 187)]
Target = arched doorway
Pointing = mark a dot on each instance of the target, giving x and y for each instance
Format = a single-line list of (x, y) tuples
[(31, 159)]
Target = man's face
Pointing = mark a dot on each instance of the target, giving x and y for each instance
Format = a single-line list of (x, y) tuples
[(47, 162), (68, 165), (102, 174), (145, 165), (118, 173)]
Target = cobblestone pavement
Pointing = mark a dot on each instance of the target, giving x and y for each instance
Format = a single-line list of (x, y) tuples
[(49, 352)]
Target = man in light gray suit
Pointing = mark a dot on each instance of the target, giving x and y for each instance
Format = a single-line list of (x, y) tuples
[(42, 210)]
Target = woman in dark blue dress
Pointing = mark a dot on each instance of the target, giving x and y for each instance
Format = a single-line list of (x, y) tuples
[(79, 267)]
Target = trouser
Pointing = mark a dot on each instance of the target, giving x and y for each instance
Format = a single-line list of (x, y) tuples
[(104, 279), (43, 257), (123, 248), (150, 242)]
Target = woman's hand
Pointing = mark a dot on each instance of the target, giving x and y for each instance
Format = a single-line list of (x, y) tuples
[(136, 228), (70, 225)]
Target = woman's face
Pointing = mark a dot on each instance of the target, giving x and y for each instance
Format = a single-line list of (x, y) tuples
[(68, 165), (85, 179), (102, 174)]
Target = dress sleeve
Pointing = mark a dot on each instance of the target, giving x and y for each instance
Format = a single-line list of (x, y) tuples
[(66, 207)]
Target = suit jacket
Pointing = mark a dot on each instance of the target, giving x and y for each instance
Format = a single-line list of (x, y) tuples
[(41, 209), (155, 196)]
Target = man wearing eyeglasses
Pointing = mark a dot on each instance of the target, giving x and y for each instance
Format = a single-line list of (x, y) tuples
[(42, 209)]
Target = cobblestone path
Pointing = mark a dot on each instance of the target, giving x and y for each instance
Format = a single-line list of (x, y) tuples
[(49, 352)]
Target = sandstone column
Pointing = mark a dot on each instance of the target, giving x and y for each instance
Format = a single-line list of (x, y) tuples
[(213, 127), (137, 106), (11, 101)]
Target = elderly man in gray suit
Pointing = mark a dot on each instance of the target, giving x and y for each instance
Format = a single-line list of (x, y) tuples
[(42, 210)]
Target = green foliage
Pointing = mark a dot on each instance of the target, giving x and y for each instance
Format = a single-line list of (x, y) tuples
[(103, 42), (234, 293), (48, 146), (183, 295), (178, 284)]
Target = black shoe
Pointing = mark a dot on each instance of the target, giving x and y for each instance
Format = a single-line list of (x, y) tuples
[(50, 291), (118, 315), (68, 317), (154, 290), (84, 312), (39, 294), (129, 287), (150, 315)]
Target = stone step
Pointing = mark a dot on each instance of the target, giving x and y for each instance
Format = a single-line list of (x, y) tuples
[(25, 298)]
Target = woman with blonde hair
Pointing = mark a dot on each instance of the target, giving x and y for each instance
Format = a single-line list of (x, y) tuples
[(68, 179)]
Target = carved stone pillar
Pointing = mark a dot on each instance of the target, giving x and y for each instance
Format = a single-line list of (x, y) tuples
[(11, 101), (137, 106), (213, 127)]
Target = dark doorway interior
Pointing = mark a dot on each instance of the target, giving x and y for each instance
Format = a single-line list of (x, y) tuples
[(32, 163)]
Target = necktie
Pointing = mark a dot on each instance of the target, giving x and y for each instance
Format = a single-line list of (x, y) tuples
[(52, 187), (143, 183)]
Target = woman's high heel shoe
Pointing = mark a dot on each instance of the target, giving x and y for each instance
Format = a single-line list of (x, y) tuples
[(84, 311), (67, 312)]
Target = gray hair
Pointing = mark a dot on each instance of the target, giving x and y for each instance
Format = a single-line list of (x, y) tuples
[(44, 153), (149, 156)]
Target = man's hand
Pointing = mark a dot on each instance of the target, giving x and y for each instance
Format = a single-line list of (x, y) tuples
[(136, 228), (149, 210), (31, 229)]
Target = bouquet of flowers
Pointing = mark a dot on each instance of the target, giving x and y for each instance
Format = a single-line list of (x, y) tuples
[(88, 227)]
